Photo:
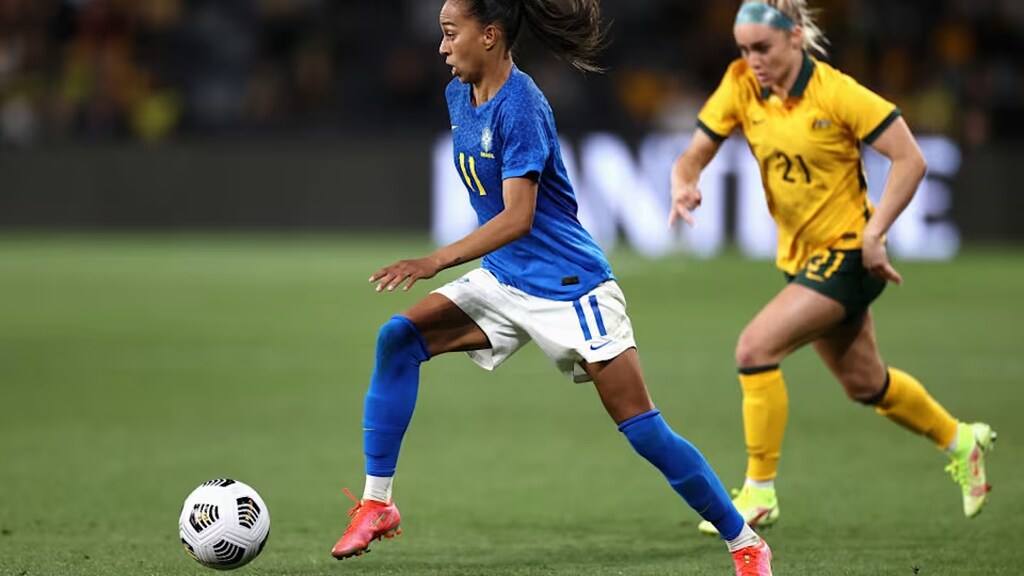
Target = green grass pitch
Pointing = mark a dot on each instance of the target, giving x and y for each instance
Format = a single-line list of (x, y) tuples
[(132, 368)]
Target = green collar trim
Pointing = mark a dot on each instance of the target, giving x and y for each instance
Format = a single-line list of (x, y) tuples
[(802, 79)]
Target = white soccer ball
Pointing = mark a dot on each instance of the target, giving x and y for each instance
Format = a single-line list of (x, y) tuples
[(224, 524)]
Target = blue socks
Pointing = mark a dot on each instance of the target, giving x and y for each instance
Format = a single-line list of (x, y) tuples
[(685, 469), (392, 395)]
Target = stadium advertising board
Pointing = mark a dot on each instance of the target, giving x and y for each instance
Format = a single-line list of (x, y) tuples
[(623, 196)]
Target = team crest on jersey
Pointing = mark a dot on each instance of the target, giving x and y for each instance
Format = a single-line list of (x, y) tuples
[(486, 140), (821, 124)]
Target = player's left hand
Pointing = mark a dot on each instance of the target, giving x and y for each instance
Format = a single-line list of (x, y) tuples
[(408, 271), (876, 260)]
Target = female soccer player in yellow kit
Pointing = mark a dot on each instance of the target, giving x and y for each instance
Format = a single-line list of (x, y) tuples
[(805, 121)]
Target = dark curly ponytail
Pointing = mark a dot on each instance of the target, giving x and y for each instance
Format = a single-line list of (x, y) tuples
[(571, 29)]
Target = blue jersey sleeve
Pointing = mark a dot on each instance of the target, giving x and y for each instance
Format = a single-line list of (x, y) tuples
[(526, 143)]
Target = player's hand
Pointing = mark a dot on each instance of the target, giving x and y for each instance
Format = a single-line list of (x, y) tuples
[(685, 199), (876, 260), (408, 271)]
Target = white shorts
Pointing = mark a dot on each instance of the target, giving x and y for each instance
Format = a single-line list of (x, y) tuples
[(592, 328)]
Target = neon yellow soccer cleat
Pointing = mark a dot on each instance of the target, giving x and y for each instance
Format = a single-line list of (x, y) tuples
[(758, 506), (967, 465)]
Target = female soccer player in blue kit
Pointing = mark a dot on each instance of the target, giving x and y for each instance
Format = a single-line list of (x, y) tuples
[(543, 278)]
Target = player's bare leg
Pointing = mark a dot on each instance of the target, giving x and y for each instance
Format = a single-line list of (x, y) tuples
[(620, 385), (851, 353), (796, 316)]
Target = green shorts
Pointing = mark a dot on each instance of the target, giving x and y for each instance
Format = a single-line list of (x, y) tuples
[(841, 275)]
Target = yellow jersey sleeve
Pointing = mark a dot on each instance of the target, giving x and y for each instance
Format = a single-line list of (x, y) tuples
[(720, 114), (865, 113)]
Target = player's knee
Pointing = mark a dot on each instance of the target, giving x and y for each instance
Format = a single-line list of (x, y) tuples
[(753, 351), (398, 338)]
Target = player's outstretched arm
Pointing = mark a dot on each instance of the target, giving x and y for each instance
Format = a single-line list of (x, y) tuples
[(908, 168), (514, 221), (686, 171)]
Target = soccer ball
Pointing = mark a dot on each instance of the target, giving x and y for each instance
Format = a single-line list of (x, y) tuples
[(224, 524)]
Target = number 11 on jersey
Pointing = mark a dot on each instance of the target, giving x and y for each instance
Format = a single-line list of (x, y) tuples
[(472, 170)]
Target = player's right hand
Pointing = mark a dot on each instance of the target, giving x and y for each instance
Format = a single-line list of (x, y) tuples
[(685, 199), (408, 271), (876, 259)]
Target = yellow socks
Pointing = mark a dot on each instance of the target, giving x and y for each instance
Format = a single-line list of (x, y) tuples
[(907, 403), (765, 409)]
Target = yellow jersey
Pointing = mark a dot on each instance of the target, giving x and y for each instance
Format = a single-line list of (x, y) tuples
[(808, 150)]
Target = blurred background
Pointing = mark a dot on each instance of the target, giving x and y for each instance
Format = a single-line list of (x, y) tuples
[(193, 194), (284, 113)]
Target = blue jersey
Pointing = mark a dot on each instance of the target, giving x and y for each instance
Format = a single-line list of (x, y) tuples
[(509, 136)]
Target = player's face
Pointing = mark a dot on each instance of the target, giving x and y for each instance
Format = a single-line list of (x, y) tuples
[(770, 53), (462, 42)]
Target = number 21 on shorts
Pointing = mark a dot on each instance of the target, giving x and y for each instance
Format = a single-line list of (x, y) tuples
[(821, 266)]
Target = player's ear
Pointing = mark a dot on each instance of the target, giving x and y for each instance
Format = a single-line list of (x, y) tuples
[(492, 35), (796, 37)]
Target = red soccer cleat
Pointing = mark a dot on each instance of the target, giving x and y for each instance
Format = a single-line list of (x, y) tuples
[(753, 560), (371, 520)]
